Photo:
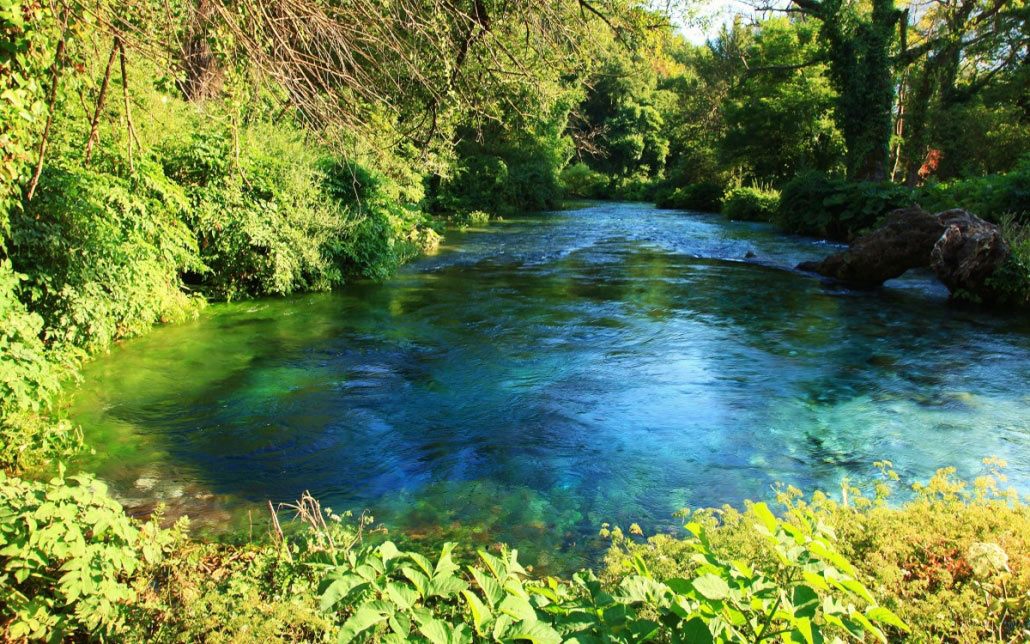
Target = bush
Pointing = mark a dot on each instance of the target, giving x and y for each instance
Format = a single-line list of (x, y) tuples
[(1011, 282), (580, 181), (813, 204), (67, 555), (701, 197), (991, 197), (29, 380), (261, 228), (325, 584), (952, 563), (750, 204), (103, 254)]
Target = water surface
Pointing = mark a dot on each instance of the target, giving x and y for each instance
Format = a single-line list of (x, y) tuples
[(552, 372)]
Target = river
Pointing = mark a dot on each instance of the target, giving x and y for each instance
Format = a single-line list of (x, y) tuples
[(551, 372)]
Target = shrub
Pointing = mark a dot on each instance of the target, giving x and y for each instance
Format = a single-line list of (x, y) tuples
[(952, 562), (1011, 282), (991, 197), (29, 380), (380, 233), (103, 254), (67, 554), (813, 204), (261, 227), (580, 181), (701, 197), (750, 204)]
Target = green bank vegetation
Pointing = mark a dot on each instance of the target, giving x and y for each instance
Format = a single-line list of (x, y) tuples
[(157, 156)]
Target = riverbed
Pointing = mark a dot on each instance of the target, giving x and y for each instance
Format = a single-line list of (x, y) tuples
[(545, 374)]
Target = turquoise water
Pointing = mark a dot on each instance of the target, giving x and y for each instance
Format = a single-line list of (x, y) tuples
[(549, 373)]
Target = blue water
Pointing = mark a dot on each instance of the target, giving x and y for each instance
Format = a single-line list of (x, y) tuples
[(546, 374)]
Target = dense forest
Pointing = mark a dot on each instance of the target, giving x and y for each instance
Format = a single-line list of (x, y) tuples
[(159, 156)]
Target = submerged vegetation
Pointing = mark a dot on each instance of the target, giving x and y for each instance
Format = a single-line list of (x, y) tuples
[(154, 157)]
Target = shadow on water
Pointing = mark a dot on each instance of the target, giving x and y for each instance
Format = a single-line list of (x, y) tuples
[(612, 363)]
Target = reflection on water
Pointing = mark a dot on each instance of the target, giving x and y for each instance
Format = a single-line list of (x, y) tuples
[(613, 363)]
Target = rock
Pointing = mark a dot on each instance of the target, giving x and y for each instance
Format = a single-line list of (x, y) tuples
[(750, 255), (962, 249), (145, 483), (968, 252), (904, 241)]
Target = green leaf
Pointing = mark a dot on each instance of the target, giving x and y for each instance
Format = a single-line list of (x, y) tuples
[(339, 589), (534, 631), (480, 613), (401, 594), (803, 625), (805, 601), (695, 631), (764, 515), (711, 587), (885, 616), (388, 551), (434, 630), (831, 557), (445, 586), (518, 608), (491, 589), (362, 619)]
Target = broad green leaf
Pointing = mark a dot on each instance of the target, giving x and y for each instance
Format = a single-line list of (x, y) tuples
[(534, 631), (805, 601), (491, 589), (480, 613), (832, 557), (695, 631), (445, 586), (362, 619), (434, 630), (402, 594), (711, 587), (339, 589), (388, 551), (764, 515), (885, 616), (518, 608), (803, 626), (445, 565), (420, 581)]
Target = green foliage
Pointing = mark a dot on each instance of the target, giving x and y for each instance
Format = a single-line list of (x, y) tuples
[(260, 227), (812, 204), (1011, 282), (991, 197), (511, 166), (951, 562), (103, 254), (580, 181), (702, 197), (30, 46), (750, 204), (382, 594), (67, 552), (780, 122), (29, 380), (624, 105)]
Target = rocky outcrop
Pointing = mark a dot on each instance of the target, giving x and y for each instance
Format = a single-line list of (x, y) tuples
[(904, 241), (962, 249), (968, 252)]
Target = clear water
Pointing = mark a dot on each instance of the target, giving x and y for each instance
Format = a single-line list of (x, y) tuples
[(546, 374)]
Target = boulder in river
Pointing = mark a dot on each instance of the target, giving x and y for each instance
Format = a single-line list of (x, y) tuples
[(962, 249), (968, 252), (904, 241)]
